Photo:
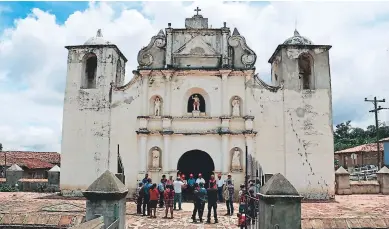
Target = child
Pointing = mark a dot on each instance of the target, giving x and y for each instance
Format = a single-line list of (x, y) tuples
[(242, 199), (154, 196), (242, 220), (139, 197), (169, 199)]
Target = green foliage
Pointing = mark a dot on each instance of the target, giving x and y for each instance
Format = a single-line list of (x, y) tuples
[(346, 136), (7, 188), (1, 147)]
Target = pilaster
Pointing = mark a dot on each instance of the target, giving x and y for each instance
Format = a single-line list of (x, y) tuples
[(145, 92), (248, 77), (225, 154), (250, 146), (168, 91), (142, 143), (224, 92), (166, 152), (225, 57), (169, 46)]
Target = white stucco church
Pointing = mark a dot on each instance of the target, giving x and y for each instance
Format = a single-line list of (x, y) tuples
[(193, 104)]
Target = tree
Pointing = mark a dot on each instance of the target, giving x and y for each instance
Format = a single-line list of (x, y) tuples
[(1, 147), (346, 136)]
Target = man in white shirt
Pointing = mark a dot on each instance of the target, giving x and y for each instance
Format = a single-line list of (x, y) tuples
[(200, 179), (220, 184), (177, 184)]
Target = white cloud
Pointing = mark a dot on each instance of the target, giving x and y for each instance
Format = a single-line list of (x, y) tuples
[(33, 57)]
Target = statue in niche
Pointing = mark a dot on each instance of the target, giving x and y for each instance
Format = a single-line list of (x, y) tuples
[(236, 106), (155, 159), (196, 103), (236, 160), (157, 106)]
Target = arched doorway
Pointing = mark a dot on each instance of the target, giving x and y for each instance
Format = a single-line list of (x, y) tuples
[(195, 162)]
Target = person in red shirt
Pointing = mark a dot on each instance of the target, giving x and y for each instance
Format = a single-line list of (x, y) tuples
[(169, 200), (242, 220), (154, 197)]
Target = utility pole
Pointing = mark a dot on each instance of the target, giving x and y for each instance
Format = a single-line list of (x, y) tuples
[(377, 108)]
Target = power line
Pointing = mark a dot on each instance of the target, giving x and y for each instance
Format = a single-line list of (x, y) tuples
[(377, 108)]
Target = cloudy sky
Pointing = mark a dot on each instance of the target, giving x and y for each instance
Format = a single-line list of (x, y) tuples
[(33, 57)]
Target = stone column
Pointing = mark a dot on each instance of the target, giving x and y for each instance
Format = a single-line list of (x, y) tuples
[(279, 204), (145, 92), (224, 93), (106, 197), (53, 175), (13, 175), (383, 180), (342, 180), (166, 153), (225, 155), (143, 153)]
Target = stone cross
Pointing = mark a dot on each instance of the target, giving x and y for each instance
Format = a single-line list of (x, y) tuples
[(197, 10)]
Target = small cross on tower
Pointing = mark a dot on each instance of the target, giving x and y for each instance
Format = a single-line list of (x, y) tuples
[(197, 10)]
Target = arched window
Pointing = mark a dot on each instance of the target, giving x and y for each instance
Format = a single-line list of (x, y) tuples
[(90, 66), (196, 102), (305, 71), (118, 73)]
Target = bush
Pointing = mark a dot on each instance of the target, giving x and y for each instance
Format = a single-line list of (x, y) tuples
[(7, 188)]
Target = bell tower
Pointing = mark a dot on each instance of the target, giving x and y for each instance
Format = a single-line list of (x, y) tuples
[(298, 64), (93, 68)]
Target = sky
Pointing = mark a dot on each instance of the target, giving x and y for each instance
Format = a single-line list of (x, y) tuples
[(33, 58)]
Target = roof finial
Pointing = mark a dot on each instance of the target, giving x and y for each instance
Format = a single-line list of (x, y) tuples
[(296, 33), (99, 34), (197, 10)]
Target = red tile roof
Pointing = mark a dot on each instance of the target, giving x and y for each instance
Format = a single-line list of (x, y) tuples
[(31, 160), (367, 148)]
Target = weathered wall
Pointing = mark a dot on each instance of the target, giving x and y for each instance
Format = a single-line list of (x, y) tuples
[(86, 118)]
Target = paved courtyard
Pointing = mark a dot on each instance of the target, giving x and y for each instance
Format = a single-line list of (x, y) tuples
[(36, 208)]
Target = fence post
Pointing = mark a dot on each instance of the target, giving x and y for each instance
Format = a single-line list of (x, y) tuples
[(342, 179), (383, 180), (106, 196), (13, 175), (279, 204)]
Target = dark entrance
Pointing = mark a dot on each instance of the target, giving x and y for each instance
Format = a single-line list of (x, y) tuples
[(195, 162)]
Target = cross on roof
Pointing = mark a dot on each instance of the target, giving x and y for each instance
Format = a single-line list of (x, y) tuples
[(197, 10)]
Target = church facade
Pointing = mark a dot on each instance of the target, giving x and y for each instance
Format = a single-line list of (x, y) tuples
[(194, 105)]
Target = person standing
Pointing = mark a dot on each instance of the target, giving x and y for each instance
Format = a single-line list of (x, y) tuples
[(184, 188), (161, 189), (202, 199), (212, 181), (191, 186), (200, 179), (146, 197), (170, 181), (144, 181), (169, 199), (196, 202), (178, 193), (229, 196), (154, 196), (139, 197), (220, 185), (212, 201)]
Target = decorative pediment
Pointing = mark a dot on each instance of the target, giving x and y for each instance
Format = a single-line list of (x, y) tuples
[(243, 56), (153, 55), (196, 46)]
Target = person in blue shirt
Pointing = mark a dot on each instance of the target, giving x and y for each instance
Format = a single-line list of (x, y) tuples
[(144, 181), (191, 186), (146, 197)]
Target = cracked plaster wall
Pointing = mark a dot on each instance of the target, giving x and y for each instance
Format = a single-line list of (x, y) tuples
[(86, 119)]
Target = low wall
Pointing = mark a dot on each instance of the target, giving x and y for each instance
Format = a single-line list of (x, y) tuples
[(29, 185), (365, 187)]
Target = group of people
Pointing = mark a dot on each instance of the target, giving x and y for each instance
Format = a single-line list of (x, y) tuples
[(169, 193)]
